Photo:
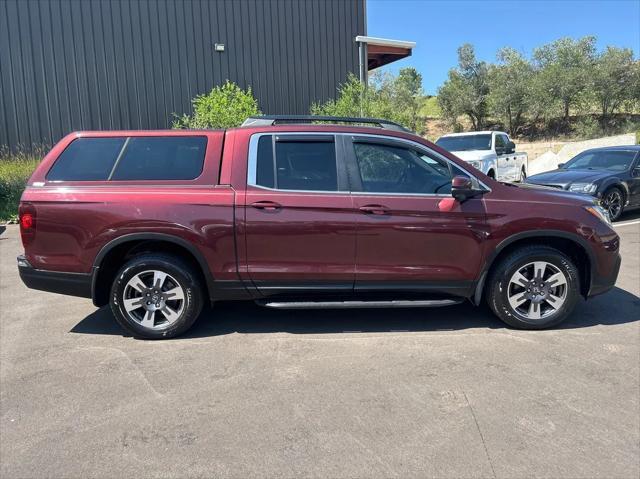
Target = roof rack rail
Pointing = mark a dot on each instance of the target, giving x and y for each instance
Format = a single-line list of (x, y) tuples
[(270, 120)]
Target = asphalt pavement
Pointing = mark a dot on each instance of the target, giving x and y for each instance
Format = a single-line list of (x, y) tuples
[(251, 392)]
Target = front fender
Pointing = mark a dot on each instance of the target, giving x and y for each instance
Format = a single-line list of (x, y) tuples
[(533, 234), (614, 182), (490, 164)]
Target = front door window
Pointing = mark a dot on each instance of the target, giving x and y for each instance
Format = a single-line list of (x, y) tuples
[(391, 169)]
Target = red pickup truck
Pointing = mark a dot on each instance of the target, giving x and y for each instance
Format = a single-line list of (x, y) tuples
[(295, 214)]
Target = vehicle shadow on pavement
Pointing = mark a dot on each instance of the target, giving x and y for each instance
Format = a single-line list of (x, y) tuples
[(616, 307), (628, 216)]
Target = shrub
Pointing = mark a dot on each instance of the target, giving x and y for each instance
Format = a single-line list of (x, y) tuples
[(587, 127), (225, 106), (15, 170), (353, 100)]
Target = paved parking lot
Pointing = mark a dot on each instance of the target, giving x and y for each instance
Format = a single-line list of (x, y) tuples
[(387, 393)]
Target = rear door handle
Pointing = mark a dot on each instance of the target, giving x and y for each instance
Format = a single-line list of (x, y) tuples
[(266, 205), (375, 209)]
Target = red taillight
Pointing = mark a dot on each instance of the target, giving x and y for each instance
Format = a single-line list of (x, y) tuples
[(26, 221), (27, 215)]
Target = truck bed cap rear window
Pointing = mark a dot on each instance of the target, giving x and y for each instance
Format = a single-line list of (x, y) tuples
[(131, 158)]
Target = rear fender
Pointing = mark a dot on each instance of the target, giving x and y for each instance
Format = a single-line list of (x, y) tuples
[(133, 237)]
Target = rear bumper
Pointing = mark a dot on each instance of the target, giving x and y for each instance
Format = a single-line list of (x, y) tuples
[(72, 284), (602, 284)]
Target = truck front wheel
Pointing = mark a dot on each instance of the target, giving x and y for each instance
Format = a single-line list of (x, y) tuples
[(491, 174), (534, 287), (156, 296)]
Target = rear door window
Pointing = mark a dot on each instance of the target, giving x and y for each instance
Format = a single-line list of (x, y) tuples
[(265, 170), (86, 159), (161, 158), (300, 164)]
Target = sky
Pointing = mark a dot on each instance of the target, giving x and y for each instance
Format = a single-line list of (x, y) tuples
[(440, 27)]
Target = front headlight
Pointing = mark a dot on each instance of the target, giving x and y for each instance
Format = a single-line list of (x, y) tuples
[(476, 164), (599, 212), (588, 188)]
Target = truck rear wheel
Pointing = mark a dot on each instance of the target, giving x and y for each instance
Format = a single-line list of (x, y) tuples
[(535, 287), (156, 296)]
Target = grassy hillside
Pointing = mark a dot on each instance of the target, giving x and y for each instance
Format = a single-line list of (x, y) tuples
[(430, 108)]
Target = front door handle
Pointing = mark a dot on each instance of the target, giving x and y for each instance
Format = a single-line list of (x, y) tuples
[(375, 209), (266, 205)]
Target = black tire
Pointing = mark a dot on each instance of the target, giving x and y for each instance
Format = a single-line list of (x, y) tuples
[(491, 174), (610, 193), (498, 287), (523, 175), (179, 272)]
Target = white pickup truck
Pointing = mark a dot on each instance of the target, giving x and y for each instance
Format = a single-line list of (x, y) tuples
[(491, 152)]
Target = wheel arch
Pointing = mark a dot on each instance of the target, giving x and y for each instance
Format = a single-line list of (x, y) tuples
[(110, 258), (572, 245), (616, 183)]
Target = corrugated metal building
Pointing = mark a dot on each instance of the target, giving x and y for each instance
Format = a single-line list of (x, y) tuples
[(130, 64)]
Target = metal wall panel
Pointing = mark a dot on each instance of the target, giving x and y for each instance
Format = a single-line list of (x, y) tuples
[(70, 65)]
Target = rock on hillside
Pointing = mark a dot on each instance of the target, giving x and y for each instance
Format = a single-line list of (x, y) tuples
[(545, 156)]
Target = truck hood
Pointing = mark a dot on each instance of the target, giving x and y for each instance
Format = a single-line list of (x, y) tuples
[(474, 155), (563, 178)]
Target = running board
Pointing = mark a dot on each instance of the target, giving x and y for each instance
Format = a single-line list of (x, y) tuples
[(358, 304)]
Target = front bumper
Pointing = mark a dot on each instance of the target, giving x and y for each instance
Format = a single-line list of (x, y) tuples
[(72, 284), (602, 284)]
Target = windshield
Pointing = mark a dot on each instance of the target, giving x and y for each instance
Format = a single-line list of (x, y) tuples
[(465, 143), (602, 160)]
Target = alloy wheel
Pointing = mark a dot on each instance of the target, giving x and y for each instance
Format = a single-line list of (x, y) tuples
[(612, 202), (537, 290), (154, 299)]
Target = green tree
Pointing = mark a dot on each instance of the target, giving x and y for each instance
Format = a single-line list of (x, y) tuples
[(225, 106), (353, 100), (396, 98), (615, 80), (510, 86), (466, 90), (407, 98), (563, 71)]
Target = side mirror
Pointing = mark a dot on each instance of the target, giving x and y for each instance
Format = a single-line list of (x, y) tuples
[(561, 165), (462, 188), (511, 147)]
